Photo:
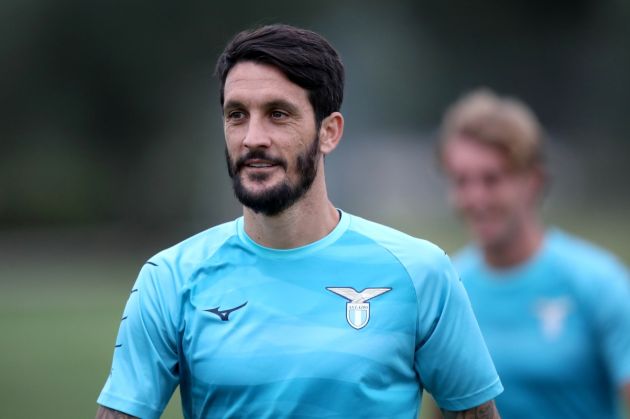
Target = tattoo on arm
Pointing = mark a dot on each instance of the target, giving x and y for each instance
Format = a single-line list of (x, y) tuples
[(487, 410), (107, 413)]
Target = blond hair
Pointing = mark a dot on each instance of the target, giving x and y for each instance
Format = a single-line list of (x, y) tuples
[(505, 123)]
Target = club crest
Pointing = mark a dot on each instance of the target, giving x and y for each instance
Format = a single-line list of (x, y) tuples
[(553, 314), (358, 307)]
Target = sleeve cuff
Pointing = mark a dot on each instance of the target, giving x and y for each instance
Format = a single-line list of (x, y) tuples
[(471, 400), (130, 407)]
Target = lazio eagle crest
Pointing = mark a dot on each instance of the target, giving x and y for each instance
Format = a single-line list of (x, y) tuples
[(358, 307)]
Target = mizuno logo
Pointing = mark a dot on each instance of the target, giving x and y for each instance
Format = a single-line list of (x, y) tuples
[(357, 307), (225, 314)]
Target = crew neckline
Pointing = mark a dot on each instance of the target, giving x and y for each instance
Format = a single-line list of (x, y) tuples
[(517, 275), (296, 252)]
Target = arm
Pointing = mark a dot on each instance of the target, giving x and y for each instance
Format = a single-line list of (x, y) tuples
[(484, 411), (626, 397), (145, 369), (107, 413), (430, 409), (612, 323), (452, 360)]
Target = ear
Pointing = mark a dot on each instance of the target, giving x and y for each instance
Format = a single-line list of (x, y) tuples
[(330, 132)]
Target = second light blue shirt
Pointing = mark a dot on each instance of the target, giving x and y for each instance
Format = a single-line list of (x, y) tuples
[(557, 326)]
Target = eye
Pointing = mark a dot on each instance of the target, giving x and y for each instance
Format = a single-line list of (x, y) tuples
[(278, 115), (491, 179), (459, 181), (235, 115)]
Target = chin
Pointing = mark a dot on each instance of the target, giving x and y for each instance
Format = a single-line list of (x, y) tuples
[(487, 236), (259, 186)]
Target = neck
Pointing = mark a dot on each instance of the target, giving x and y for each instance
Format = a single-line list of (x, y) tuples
[(306, 221), (520, 246)]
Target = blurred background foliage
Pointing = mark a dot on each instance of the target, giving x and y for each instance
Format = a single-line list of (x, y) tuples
[(111, 145), (110, 110)]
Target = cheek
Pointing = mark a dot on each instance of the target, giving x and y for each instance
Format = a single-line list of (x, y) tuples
[(235, 132), (501, 198), (510, 199), (229, 134), (521, 192), (231, 152)]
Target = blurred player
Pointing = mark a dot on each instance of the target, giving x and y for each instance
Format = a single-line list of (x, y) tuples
[(296, 309), (554, 309)]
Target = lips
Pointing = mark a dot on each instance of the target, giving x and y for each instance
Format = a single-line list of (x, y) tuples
[(259, 164), (258, 160)]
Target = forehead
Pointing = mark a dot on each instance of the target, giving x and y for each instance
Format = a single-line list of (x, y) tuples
[(462, 154), (252, 83)]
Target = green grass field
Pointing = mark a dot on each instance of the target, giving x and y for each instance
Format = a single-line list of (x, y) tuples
[(59, 316)]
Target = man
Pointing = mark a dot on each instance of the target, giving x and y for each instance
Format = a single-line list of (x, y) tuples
[(296, 309), (554, 309)]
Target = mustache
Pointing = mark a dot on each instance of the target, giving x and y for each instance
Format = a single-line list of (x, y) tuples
[(258, 155)]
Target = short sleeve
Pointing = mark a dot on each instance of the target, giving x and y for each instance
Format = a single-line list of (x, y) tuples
[(144, 370), (610, 304), (452, 359)]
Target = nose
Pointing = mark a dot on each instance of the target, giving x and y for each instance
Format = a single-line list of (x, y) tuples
[(256, 135), (470, 193)]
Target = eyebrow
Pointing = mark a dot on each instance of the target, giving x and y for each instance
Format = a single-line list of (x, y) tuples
[(273, 104), (282, 104), (232, 104)]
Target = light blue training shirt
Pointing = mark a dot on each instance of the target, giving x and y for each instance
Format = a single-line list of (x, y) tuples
[(354, 325), (557, 326)]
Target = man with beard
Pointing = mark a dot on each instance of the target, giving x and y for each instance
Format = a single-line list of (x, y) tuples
[(554, 309), (296, 309)]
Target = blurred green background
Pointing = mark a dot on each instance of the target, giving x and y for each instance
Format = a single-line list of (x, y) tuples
[(111, 146)]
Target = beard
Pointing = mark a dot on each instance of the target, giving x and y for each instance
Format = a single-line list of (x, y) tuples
[(272, 201)]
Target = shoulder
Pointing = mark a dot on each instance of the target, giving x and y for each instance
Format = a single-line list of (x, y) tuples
[(418, 256), (591, 271), (580, 257), (200, 246), (179, 260)]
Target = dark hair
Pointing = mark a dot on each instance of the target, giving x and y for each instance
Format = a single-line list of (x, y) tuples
[(305, 57)]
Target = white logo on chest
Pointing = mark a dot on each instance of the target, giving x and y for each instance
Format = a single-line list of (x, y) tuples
[(357, 307), (552, 314)]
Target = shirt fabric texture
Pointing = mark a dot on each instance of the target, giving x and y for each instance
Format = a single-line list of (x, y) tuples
[(557, 326), (250, 331)]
